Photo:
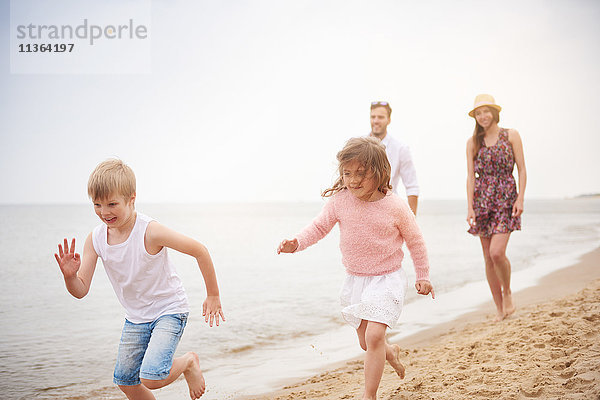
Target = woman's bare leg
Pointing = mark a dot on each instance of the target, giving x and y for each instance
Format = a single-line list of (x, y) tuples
[(492, 277), (498, 245)]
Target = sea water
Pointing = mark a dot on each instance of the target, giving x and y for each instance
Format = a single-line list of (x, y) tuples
[(283, 314)]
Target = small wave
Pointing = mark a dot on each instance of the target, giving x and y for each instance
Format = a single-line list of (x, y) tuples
[(49, 388), (242, 349), (268, 340), (65, 392)]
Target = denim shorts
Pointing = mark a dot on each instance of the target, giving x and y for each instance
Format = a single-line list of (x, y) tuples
[(146, 350)]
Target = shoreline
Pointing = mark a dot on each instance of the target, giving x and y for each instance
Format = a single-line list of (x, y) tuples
[(555, 290)]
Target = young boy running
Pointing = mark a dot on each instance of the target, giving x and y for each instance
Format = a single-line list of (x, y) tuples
[(133, 249)]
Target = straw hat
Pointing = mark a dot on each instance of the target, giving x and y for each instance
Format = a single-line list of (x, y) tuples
[(484, 100)]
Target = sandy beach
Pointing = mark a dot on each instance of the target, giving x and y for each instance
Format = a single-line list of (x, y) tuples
[(548, 349)]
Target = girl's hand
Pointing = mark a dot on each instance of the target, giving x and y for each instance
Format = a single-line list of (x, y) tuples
[(287, 246), (211, 310), (471, 217), (424, 288), (68, 261), (517, 208)]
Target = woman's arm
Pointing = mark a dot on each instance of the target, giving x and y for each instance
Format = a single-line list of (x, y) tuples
[(470, 181), (515, 140)]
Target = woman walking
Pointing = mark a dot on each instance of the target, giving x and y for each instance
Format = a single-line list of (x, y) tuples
[(495, 204)]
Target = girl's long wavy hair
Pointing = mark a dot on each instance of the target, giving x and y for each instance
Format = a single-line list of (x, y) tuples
[(370, 153), (479, 133)]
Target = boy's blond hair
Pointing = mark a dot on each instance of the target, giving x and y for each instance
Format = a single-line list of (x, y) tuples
[(109, 177), (370, 153)]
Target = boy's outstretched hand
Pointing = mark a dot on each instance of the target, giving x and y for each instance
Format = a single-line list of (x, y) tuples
[(68, 261), (211, 310), (424, 288), (287, 246)]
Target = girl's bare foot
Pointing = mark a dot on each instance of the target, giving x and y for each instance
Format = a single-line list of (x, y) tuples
[(193, 376), (395, 361)]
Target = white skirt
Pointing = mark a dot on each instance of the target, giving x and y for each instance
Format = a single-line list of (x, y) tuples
[(373, 298)]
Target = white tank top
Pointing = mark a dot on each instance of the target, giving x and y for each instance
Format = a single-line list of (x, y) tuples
[(146, 285)]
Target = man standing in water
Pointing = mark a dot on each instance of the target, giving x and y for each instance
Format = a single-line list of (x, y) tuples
[(398, 153)]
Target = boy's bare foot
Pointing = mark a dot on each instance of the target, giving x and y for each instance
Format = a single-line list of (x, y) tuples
[(508, 305), (395, 361), (193, 376)]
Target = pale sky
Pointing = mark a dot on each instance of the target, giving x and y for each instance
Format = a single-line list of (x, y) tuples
[(251, 100)]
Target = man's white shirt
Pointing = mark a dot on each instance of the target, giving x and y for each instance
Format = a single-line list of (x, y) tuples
[(400, 159)]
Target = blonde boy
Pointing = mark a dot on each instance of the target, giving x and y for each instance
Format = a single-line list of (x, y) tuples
[(133, 249)]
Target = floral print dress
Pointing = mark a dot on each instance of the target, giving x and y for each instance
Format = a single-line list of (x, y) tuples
[(495, 189)]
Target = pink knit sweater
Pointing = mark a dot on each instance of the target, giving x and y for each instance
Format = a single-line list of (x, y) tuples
[(371, 234)]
